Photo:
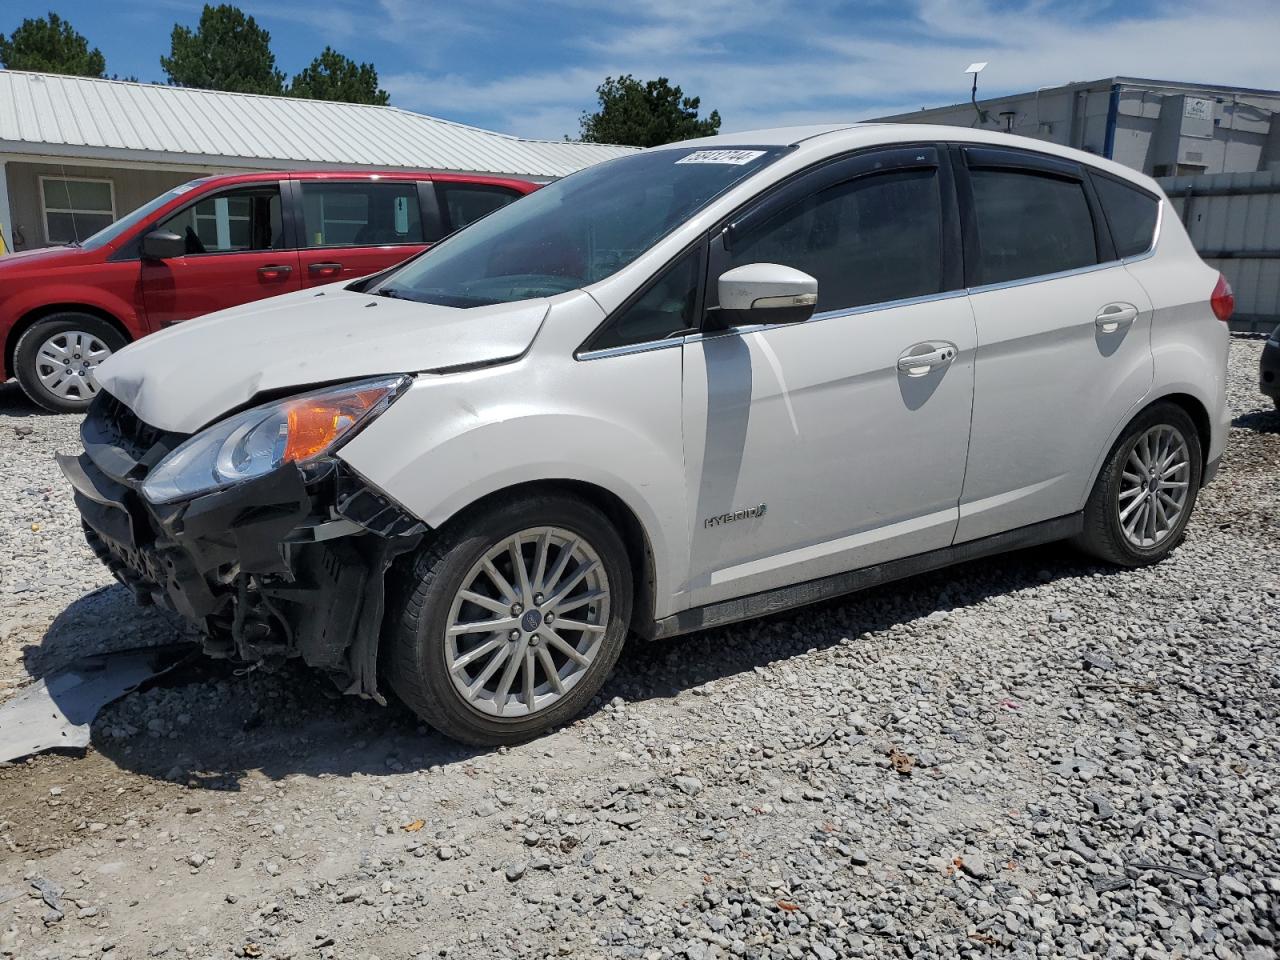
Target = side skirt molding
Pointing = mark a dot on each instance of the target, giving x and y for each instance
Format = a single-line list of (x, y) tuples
[(812, 591)]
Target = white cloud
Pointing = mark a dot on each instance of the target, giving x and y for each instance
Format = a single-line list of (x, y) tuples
[(785, 61)]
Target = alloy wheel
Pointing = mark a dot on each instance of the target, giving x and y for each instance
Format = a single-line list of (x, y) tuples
[(1154, 486), (66, 364), (527, 623)]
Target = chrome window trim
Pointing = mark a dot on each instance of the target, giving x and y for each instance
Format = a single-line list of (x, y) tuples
[(1042, 277), (1155, 236)]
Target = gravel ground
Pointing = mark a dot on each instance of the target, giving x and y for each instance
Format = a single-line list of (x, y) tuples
[(1029, 756)]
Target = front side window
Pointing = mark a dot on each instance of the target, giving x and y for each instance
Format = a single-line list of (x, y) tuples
[(1130, 213), (871, 240), (576, 231), (129, 220), (360, 214), (75, 209), (1030, 225), (466, 203), (236, 221), (666, 308)]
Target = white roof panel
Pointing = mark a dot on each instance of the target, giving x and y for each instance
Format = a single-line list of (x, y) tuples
[(43, 113)]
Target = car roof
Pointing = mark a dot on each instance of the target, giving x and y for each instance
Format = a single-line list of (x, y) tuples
[(838, 137), (259, 176)]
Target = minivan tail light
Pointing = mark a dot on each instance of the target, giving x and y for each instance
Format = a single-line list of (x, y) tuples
[(1223, 300)]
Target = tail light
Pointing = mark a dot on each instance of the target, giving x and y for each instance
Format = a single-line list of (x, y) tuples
[(1223, 300)]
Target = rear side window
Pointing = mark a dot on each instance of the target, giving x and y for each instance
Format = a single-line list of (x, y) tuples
[(360, 214), (1130, 213), (1030, 225), (466, 203), (871, 240), (667, 307), (235, 221)]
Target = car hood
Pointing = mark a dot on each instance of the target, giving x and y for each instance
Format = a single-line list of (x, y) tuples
[(45, 256), (194, 373)]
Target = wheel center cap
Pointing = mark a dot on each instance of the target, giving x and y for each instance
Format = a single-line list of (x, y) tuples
[(531, 621), (1153, 484)]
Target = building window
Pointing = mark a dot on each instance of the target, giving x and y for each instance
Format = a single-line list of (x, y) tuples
[(76, 209)]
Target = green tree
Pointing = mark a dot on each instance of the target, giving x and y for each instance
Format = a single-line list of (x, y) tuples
[(645, 114), (331, 76), (227, 51), (50, 45)]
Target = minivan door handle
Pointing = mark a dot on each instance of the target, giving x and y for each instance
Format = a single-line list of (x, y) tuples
[(275, 271), (923, 358), (324, 269), (1114, 316)]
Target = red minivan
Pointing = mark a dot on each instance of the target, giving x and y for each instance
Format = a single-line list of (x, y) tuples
[(210, 244)]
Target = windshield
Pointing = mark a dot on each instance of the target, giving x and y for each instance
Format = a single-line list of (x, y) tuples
[(113, 230), (575, 231)]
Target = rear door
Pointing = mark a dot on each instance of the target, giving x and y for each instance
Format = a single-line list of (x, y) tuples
[(352, 228), (1064, 347), (238, 250)]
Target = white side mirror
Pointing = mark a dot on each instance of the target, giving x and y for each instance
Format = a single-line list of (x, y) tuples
[(766, 293)]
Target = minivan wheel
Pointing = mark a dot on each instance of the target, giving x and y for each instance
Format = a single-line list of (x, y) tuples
[(1142, 499), (513, 620), (56, 359)]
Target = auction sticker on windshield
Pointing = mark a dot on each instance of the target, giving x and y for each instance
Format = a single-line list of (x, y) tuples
[(735, 157)]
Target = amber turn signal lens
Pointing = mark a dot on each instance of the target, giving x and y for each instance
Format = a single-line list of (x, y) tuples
[(315, 425)]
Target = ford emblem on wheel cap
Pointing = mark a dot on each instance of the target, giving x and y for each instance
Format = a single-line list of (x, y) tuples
[(531, 621)]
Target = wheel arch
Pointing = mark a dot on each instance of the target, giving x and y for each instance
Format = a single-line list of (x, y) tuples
[(36, 314), (635, 537)]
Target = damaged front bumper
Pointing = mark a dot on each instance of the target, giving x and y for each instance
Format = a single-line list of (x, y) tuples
[(293, 563)]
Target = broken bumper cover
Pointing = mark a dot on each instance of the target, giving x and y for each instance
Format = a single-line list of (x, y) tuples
[(292, 563)]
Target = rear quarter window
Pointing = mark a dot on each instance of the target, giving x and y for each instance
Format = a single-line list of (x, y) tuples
[(1131, 215)]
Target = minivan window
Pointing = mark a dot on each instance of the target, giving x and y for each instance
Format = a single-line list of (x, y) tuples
[(109, 233), (466, 203), (360, 214), (233, 221), (667, 307), (1130, 213), (575, 231), (1030, 225), (870, 240)]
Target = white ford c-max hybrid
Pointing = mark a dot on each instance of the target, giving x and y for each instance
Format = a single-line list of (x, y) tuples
[(688, 386)]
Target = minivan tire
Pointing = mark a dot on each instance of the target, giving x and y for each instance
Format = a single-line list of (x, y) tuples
[(26, 355), (419, 648), (1104, 535)]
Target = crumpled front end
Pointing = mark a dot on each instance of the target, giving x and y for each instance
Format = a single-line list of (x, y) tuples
[(292, 563)]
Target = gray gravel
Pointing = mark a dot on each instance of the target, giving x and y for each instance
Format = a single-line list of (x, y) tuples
[(1031, 756)]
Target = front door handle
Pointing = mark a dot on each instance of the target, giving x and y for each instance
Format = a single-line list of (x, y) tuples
[(275, 271), (1114, 316), (924, 358), (324, 269)]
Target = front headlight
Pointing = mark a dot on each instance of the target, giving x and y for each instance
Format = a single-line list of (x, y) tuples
[(255, 442)]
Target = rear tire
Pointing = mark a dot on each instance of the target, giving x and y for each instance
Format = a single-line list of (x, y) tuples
[(56, 357), (1138, 510), (524, 670)]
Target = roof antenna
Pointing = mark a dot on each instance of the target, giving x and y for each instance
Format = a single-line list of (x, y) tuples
[(975, 69)]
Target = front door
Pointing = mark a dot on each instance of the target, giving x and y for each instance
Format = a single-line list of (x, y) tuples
[(1064, 339), (819, 447), (237, 252)]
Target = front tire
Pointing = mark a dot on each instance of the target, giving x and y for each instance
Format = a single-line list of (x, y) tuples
[(512, 620), (56, 358), (1142, 500)]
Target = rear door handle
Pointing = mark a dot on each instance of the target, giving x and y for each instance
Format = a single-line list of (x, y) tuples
[(1114, 316), (275, 271), (324, 269), (923, 358)]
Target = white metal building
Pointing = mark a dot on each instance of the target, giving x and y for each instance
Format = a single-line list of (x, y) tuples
[(97, 149), (1162, 128)]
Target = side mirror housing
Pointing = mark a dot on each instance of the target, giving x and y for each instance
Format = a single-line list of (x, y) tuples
[(766, 293), (163, 245)]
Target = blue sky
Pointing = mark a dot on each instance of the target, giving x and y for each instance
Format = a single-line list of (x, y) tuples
[(532, 68)]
